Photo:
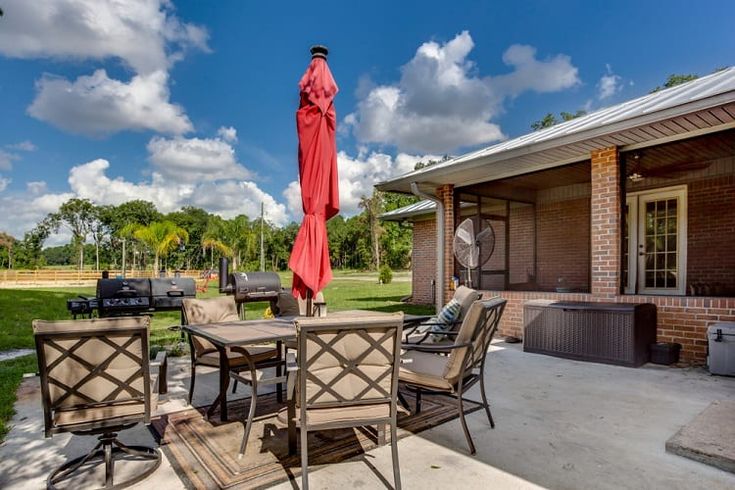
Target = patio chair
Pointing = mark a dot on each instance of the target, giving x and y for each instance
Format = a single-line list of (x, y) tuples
[(204, 353), (422, 332), (425, 368), (96, 380), (346, 376)]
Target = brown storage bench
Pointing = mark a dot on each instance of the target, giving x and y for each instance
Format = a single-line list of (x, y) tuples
[(611, 333)]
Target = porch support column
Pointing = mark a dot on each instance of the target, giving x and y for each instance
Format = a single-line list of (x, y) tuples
[(606, 226), (446, 194)]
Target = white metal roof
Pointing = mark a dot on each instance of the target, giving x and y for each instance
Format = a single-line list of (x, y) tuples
[(703, 105)]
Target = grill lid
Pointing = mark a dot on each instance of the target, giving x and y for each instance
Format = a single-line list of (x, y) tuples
[(123, 288)]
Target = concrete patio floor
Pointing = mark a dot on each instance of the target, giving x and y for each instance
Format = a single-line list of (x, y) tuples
[(560, 424)]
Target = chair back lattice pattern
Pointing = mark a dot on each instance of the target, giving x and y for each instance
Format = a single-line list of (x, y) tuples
[(210, 310), (478, 328), (92, 363), (348, 361)]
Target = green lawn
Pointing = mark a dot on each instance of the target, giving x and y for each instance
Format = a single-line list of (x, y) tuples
[(348, 291)]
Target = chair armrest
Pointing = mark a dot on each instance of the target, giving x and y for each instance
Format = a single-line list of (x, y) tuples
[(435, 348)]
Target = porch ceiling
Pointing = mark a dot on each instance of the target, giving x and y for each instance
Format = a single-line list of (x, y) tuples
[(706, 105)]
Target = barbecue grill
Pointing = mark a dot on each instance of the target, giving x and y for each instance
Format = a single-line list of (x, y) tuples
[(123, 296), (81, 305), (167, 293), (249, 287)]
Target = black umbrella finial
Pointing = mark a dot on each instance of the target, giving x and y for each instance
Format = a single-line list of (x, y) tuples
[(319, 51)]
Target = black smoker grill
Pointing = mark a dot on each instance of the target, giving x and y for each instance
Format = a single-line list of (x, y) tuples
[(167, 293), (249, 287)]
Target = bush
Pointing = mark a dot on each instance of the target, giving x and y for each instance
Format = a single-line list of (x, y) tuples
[(386, 275)]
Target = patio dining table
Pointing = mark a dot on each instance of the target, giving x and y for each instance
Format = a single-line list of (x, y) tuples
[(225, 335)]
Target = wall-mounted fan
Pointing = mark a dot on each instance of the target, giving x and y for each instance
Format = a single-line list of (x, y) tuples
[(473, 250)]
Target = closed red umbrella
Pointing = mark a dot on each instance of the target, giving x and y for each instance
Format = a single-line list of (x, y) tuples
[(316, 123)]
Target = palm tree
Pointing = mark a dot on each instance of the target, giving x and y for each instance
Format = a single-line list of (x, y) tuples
[(212, 244), (161, 237), (236, 234)]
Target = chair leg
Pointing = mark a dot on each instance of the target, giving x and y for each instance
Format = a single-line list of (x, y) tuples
[(485, 403), (109, 466), (249, 422), (381, 434), (394, 453), (191, 382), (418, 400), (304, 458), (460, 406), (234, 387)]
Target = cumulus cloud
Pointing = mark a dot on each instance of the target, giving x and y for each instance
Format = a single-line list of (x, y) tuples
[(145, 35), (4, 181), (98, 105), (196, 159), (441, 103), (357, 174), (228, 134), (26, 145), (37, 187), (6, 160), (609, 84)]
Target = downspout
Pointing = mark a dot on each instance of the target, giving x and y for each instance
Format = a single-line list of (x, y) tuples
[(439, 292)]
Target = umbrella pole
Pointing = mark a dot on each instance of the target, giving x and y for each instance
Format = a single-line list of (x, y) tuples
[(309, 309)]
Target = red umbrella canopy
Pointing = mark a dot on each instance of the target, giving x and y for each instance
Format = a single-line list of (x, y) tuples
[(316, 124)]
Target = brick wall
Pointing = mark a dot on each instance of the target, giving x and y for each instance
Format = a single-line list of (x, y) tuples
[(605, 223), (680, 319), (423, 261), (563, 244), (521, 228), (711, 234), (446, 194)]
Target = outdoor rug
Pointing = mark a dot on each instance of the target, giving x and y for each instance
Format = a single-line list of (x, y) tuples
[(204, 453)]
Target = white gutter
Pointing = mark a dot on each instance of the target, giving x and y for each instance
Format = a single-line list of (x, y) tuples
[(439, 282)]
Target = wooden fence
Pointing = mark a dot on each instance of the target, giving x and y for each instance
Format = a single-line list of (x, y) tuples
[(46, 276)]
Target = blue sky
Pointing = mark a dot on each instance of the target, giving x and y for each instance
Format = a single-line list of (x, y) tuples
[(191, 102)]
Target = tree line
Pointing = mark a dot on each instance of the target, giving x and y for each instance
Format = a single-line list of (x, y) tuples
[(137, 235)]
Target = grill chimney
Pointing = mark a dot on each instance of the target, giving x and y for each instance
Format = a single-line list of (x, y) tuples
[(224, 274)]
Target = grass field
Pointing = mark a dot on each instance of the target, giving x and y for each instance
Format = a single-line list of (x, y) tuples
[(19, 307)]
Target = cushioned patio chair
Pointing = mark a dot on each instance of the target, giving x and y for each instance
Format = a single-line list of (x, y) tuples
[(346, 376), (426, 368), (204, 353), (423, 332), (95, 380)]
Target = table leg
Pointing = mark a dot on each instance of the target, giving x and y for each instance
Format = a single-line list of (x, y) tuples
[(291, 426), (279, 386), (224, 383)]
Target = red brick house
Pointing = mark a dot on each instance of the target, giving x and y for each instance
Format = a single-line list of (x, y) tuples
[(632, 203)]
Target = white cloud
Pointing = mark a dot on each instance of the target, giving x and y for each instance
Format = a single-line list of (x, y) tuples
[(145, 34), (37, 187), (98, 105), (228, 134), (196, 159), (609, 84), (357, 175), (441, 103), (6, 160), (26, 145), (4, 181), (91, 181)]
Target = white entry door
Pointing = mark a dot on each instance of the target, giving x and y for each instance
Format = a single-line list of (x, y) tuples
[(655, 228)]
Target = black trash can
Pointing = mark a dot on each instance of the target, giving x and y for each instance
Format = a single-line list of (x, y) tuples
[(665, 353)]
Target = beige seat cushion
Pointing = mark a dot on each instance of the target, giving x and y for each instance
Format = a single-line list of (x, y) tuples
[(258, 353), (107, 413), (424, 369), (341, 415)]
